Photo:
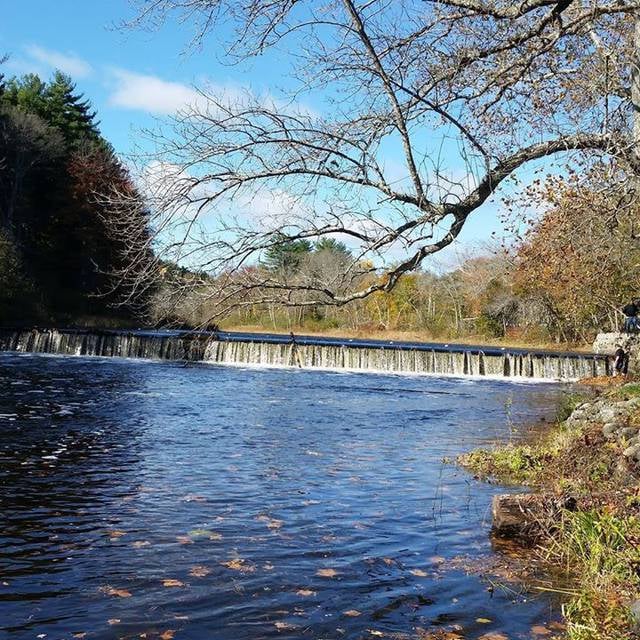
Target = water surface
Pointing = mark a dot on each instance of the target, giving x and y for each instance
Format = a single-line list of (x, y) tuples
[(233, 503)]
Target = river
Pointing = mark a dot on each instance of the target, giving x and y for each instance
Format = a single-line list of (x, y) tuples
[(228, 503)]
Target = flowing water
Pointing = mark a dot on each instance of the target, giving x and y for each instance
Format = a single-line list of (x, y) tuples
[(157, 500), (274, 350)]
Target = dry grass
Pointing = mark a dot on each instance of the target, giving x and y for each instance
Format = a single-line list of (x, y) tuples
[(597, 545)]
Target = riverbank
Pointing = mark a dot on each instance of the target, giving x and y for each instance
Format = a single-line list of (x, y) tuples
[(588, 461)]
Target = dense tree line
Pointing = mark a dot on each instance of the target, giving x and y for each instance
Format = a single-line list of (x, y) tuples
[(57, 250)]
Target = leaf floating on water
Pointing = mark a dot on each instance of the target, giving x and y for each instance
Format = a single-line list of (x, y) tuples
[(419, 572), (306, 592), (204, 533), (376, 633), (112, 591), (113, 621), (440, 635), (285, 626), (267, 566), (138, 544), (114, 535), (199, 571), (80, 635), (483, 621), (540, 630), (389, 561), (238, 564), (171, 582), (272, 523), (167, 635), (184, 539), (493, 636), (353, 613), (326, 573)]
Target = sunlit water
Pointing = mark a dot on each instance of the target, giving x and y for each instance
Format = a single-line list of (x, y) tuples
[(206, 502)]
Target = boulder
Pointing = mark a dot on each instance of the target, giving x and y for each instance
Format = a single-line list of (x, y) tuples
[(605, 344)]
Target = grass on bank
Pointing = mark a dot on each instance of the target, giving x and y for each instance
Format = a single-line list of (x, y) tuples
[(598, 545)]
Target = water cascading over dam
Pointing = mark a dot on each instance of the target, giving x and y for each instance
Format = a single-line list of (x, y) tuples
[(273, 350)]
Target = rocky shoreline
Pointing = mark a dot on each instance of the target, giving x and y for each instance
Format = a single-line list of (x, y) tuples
[(582, 513)]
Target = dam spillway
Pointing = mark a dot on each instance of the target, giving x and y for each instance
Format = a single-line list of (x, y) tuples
[(276, 350)]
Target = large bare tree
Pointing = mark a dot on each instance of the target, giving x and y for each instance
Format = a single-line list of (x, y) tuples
[(464, 92)]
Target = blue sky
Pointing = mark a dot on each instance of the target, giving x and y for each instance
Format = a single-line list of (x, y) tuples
[(133, 77)]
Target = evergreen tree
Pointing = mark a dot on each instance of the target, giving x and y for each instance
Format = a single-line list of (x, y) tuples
[(53, 162), (27, 94), (333, 246), (287, 255), (66, 110)]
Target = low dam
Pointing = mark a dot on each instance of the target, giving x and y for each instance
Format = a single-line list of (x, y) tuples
[(276, 350)]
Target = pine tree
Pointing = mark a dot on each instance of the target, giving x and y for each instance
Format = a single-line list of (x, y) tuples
[(67, 111), (27, 94)]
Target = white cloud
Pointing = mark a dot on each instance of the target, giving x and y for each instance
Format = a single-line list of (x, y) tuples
[(150, 93), (67, 63)]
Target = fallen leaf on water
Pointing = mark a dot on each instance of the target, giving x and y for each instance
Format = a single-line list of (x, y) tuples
[(540, 630), (171, 582), (113, 621), (419, 572), (199, 571), (79, 635), (114, 535), (205, 533), (118, 593), (493, 636), (373, 632), (138, 544), (326, 573), (167, 635), (284, 626), (437, 559), (184, 539), (389, 561), (238, 564), (306, 592), (483, 621), (353, 613), (267, 566)]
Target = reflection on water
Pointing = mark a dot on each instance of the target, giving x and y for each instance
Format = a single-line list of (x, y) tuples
[(226, 503)]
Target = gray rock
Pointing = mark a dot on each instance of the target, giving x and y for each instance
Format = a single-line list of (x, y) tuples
[(628, 432), (635, 614), (632, 451), (610, 430), (605, 344), (610, 414)]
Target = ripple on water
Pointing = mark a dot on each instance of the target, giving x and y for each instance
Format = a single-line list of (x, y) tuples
[(169, 501)]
